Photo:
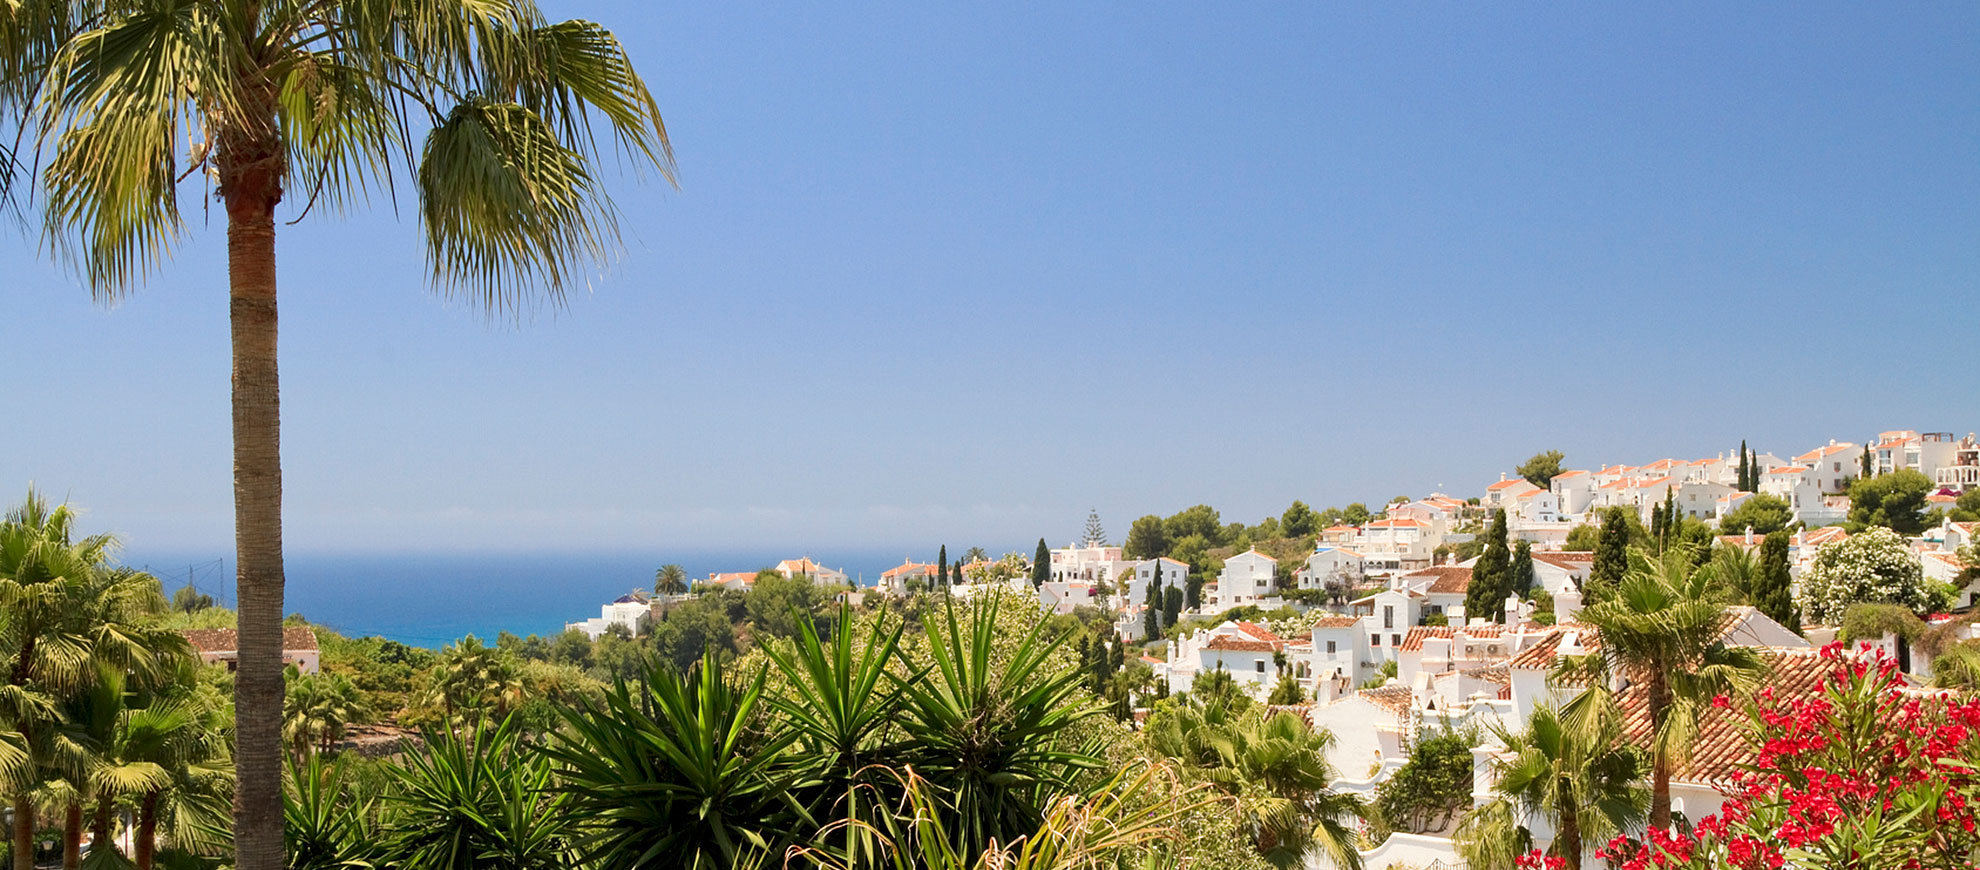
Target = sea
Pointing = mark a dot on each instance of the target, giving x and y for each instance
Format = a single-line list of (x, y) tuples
[(433, 599)]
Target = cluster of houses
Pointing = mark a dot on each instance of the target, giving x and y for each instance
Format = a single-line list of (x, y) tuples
[(1378, 676)]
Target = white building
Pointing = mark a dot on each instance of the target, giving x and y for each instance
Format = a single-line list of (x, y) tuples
[(627, 611), (1832, 466), (1164, 572), (1331, 562), (1092, 563), (1247, 651), (818, 573), (1246, 578)]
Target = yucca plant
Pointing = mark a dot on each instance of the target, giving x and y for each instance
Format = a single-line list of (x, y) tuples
[(480, 801), (1112, 827), (988, 722), (843, 708), (678, 771), (329, 824)]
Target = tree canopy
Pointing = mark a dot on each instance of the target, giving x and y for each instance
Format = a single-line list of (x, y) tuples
[(1895, 501), (1541, 468)]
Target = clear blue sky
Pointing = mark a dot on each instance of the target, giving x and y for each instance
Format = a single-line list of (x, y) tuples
[(957, 273)]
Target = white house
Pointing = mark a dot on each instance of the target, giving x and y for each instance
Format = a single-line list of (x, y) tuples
[(1700, 499), (1092, 563), (1063, 596), (1396, 544), (1246, 650), (1575, 490), (1501, 494), (1247, 577), (1831, 467), (627, 611), (894, 581), (1330, 562), (221, 646), (818, 573), (1164, 572)]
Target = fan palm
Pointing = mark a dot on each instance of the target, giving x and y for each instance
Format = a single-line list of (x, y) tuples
[(185, 738), (1274, 766), (1662, 629), (1583, 781), (316, 102), (319, 707), (670, 580)]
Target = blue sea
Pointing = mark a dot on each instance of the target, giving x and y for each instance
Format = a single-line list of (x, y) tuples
[(431, 600)]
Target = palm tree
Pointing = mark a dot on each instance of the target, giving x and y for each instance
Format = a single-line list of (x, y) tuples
[(670, 580), (1662, 629), (316, 98), (1275, 768), (319, 707), (185, 737), (473, 680), (1586, 790), (73, 630)]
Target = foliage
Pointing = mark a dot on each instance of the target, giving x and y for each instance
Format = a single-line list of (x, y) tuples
[(1041, 565), (670, 580), (1491, 577), (1611, 554), (1429, 790), (331, 822), (1867, 775), (1272, 765), (1541, 468), (1762, 513), (1582, 777), (676, 766), (1095, 534), (318, 708), (1662, 630), (1521, 573), (687, 631), (1874, 567), (1146, 539), (485, 800), (1286, 692), (1772, 589), (1298, 521), (1582, 538), (775, 604), (1895, 501)]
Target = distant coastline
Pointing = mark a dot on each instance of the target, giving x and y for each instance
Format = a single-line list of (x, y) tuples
[(431, 600)]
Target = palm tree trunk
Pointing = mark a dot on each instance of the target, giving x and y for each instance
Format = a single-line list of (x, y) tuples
[(147, 832), (72, 836), (99, 829), (1567, 845), (23, 833), (251, 176), (1657, 699)]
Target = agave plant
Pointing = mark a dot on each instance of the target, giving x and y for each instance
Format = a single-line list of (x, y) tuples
[(481, 802), (988, 724), (679, 773)]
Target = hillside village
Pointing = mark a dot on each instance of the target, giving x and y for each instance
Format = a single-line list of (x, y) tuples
[(1378, 636)]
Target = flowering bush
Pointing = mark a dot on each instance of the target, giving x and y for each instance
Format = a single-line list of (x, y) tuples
[(1875, 567), (1865, 775)]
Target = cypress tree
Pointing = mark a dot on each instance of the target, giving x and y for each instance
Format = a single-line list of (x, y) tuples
[(1522, 570), (1041, 565), (1151, 613), (1744, 483), (1489, 575), (1773, 593), (942, 565), (1193, 591), (1611, 556), (1866, 462), (1172, 605)]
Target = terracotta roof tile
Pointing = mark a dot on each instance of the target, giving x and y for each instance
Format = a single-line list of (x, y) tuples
[(1337, 621), (1720, 745), (1444, 579), (213, 640), (1393, 698), (1231, 644), (1414, 639)]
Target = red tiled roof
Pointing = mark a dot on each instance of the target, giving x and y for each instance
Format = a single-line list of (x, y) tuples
[(1789, 469), (1565, 558), (1336, 621), (1393, 698), (1506, 483), (1225, 642), (1541, 655), (1258, 631), (908, 568), (1572, 473), (1397, 523), (1449, 579), (1720, 746), (217, 640)]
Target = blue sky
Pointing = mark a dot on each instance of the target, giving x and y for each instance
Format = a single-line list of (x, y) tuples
[(946, 272)]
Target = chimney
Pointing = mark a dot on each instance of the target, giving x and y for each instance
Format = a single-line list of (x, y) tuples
[(1749, 534), (1502, 477), (1566, 605), (1512, 610)]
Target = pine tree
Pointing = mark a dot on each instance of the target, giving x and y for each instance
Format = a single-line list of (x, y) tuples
[(1489, 575), (1611, 556), (1522, 570), (1773, 592), (1041, 565), (1096, 536), (1172, 605)]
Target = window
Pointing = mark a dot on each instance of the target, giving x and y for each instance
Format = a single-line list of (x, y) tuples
[(1330, 647), (1260, 664), (1395, 640), (1374, 640), (1388, 616)]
